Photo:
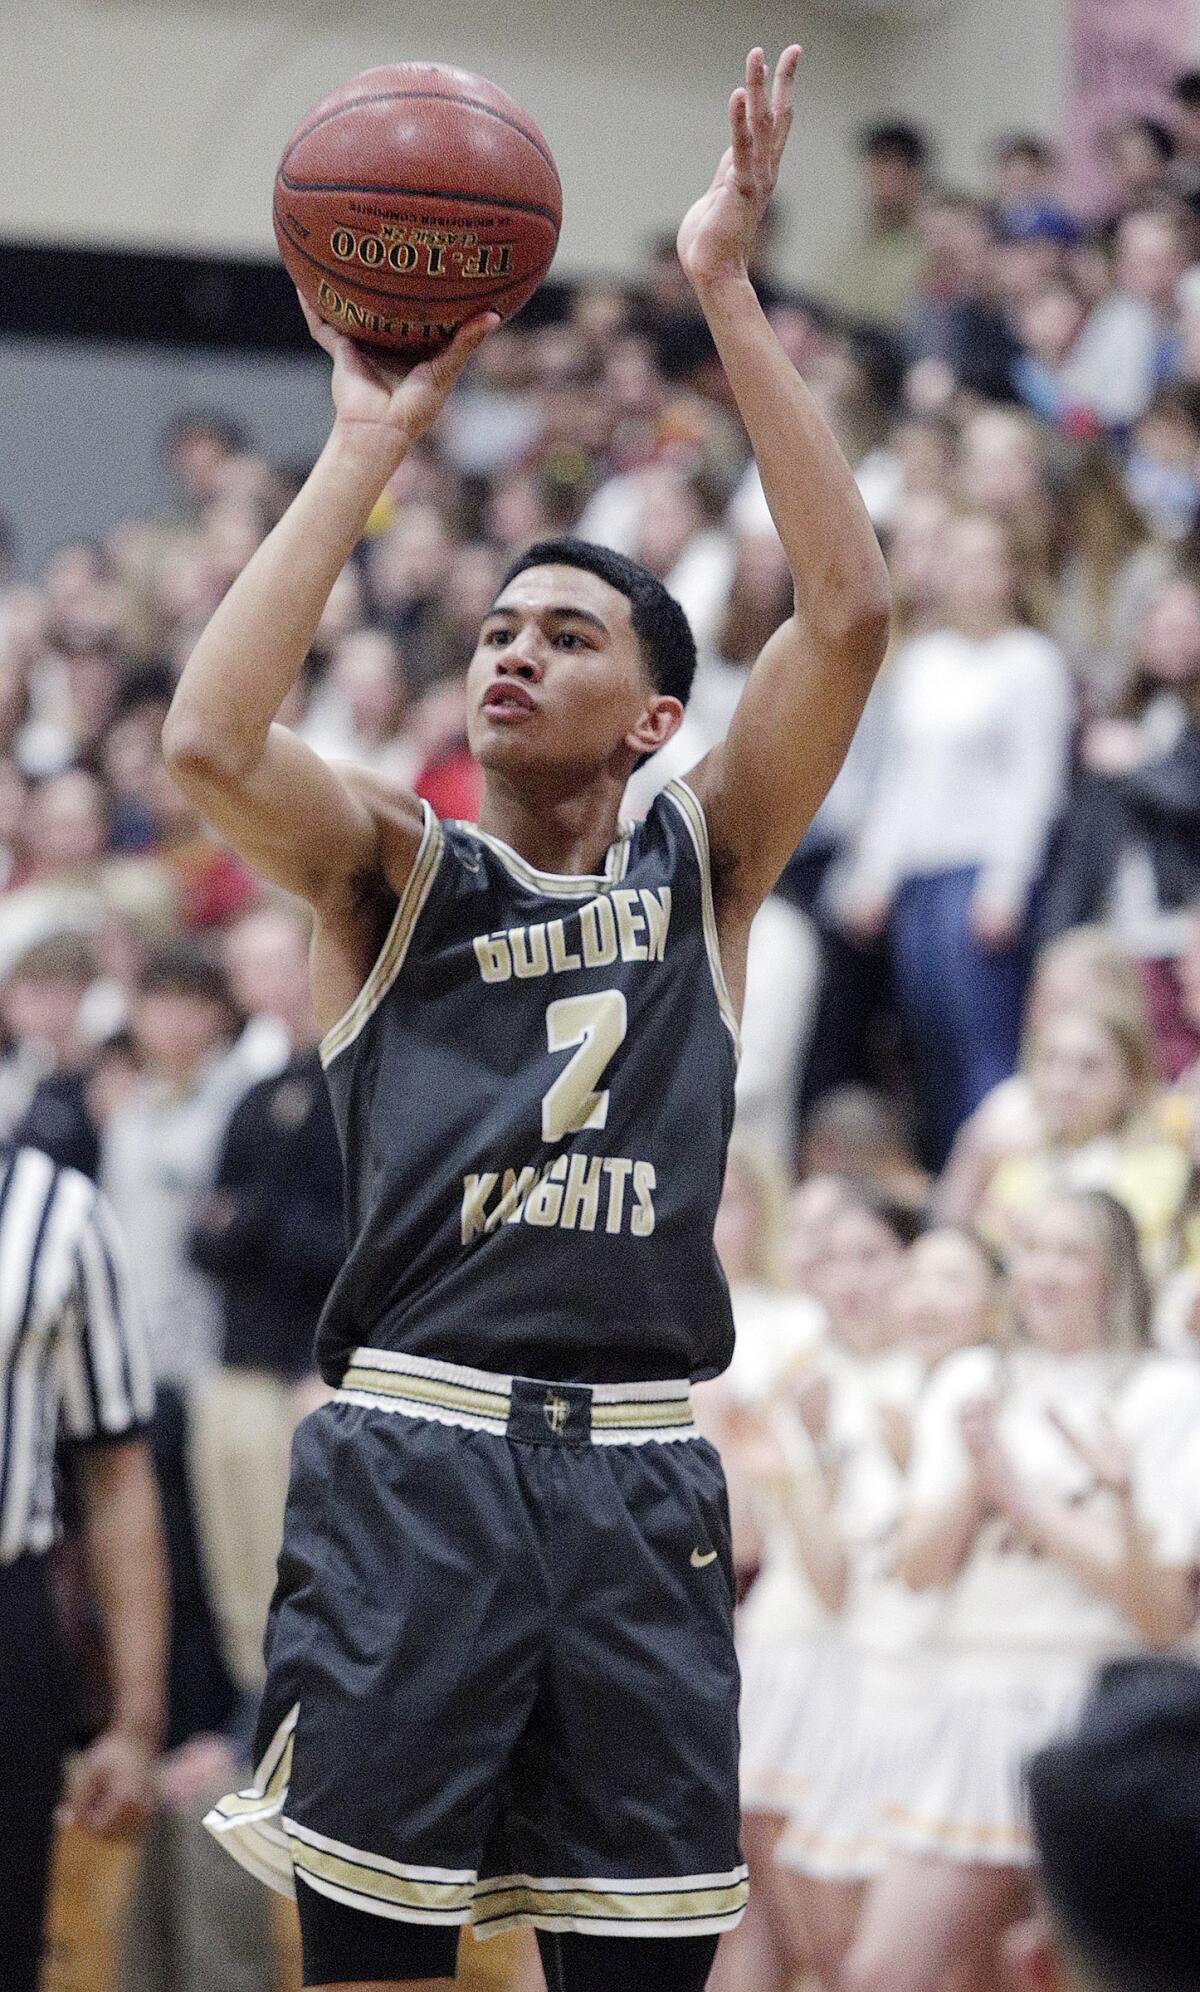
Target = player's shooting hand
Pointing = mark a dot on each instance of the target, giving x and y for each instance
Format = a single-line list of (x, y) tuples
[(718, 231), (371, 392)]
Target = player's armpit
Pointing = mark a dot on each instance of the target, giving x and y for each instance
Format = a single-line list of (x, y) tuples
[(311, 827), (762, 785)]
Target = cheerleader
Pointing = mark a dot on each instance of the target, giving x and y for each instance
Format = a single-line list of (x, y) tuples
[(945, 1298), (776, 1620), (1048, 1512), (789, 1635)]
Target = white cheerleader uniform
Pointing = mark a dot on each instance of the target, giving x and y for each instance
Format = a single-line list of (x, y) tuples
[(1018, 1636), (873, 1704), (783, 1626)]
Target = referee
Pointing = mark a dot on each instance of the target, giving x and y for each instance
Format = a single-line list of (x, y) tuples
[(73, 1366)]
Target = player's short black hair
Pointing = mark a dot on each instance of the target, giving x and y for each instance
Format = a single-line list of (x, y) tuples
[(1115, 1809), (660, 625), (896, 135)]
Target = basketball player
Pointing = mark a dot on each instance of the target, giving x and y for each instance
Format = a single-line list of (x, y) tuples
[(502, 1686)]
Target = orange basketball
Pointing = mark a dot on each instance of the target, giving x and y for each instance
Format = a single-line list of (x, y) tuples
[(414, 197)]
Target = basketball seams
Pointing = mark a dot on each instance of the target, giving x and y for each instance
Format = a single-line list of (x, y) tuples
[(419, 194), (418, 96), (335, 273), (495, 190)]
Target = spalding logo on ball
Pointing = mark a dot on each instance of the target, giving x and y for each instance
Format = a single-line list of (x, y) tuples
[(412, 198)]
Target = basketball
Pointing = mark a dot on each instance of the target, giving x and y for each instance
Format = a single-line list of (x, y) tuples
[(411, 198)]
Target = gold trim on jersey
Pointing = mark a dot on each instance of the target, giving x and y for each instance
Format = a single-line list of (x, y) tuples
[(691, 1904), (692, 811), (390, 959), (422, 1387), (560, 885)]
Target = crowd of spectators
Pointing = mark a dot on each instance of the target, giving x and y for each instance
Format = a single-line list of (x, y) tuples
[(977, 985)]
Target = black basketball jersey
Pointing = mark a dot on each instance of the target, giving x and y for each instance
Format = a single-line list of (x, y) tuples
[(534, 1093)]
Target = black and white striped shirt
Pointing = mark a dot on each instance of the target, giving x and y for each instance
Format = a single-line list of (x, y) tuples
[(73, 1357)]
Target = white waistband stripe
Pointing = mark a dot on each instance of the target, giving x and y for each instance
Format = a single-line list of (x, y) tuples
[(482, 1401)]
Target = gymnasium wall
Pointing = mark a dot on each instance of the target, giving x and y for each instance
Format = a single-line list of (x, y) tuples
[(158, 122)]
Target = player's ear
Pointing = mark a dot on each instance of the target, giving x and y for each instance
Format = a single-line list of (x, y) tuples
[(661, 716), (1033, 1958)]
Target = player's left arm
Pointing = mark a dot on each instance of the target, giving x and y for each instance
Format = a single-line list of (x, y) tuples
[(794, 723)]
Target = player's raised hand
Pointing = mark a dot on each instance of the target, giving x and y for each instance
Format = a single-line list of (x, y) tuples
[(368, 391), (718, 231)]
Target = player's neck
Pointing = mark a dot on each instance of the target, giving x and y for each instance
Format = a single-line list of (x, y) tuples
[(569, 834)]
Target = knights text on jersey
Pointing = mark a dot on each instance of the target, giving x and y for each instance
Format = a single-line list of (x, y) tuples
[(534, 1092)]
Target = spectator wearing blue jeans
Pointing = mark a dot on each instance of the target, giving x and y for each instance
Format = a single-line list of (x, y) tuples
[(971, 781)]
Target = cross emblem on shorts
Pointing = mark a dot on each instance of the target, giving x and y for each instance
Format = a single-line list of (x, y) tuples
[(556, 1410)]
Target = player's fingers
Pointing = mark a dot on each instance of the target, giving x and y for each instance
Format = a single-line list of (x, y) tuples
[(469, 338), (324, 334), (445, 369), (783, 97), (739, 126), (757, 100)]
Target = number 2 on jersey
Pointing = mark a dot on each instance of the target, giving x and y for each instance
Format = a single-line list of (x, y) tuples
[(597, 1024)]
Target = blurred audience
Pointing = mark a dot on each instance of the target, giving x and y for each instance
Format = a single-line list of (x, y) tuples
[(949, 855), (875, 280)]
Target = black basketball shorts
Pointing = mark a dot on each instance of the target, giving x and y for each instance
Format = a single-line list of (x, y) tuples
[(501, 1678)]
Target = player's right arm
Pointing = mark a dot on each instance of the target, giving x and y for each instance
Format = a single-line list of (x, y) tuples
[(314, 829)]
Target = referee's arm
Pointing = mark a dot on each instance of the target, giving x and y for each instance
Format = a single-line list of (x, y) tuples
[(110, 1789)]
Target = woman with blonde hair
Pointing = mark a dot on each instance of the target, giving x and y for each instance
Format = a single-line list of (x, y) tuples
[(1107, 580), (846, 1243), (1048, 1513), (946, 1296), (1081, 966), (1092, 1076), (777, 1651), (790, 1636)]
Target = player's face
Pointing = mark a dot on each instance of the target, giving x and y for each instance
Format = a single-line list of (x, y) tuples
[(557, 681)]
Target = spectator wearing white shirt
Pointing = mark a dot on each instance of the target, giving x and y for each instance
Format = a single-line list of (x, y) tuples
[(1121, 354), (359, 713), (971, 782)]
